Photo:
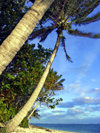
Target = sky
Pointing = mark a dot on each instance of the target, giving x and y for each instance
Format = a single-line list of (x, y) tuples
[(81, 94)]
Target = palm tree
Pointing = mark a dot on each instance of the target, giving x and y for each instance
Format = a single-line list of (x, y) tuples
[(23, 112), (12, 44), (70, 12)]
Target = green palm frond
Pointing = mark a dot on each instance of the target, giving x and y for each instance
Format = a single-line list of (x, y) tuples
[(36, 114), (88, 20), (62, 41), (80, 33), (44, 35), (87, 8), (61, 10), (59, 85), (41, 33)]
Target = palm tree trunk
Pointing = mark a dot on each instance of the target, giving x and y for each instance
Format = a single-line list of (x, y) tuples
[(33, 111), (12, 44), (23, 112)]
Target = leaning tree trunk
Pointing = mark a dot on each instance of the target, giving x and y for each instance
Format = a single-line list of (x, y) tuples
[(12, 44), (23, 112)]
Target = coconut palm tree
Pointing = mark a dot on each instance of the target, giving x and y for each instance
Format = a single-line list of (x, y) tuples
[(23, 112), (70, 12), (12, 44)]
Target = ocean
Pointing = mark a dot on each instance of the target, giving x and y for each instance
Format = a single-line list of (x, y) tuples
[(80, 128)]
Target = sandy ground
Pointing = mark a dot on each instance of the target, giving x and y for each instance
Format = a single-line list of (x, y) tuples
[(37, 130)]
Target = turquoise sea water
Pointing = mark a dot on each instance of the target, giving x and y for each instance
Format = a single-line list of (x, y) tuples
[(80, 128)]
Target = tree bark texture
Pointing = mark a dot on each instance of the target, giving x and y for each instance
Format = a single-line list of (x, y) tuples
[(12, 44)]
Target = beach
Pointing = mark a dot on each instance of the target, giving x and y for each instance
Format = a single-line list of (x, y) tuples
[(37, 130)]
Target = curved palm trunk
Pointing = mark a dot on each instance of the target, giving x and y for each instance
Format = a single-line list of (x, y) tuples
[(12, 44), (23, 112)]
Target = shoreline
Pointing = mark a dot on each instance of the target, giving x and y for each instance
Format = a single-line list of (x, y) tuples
[(38, 130)]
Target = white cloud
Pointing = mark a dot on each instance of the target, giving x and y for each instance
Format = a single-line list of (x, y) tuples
[(80, 102), (77, 88), (95, 90), (74, 86), (74, 111)]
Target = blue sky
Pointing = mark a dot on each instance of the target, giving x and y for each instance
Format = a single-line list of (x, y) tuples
[(81, 94)]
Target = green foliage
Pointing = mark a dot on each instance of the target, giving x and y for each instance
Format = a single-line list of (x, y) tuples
[(65, 13), (35, 114), (24, 123), (11, 12), (22, 75), (20, 79), (6, 112), (52, 103), (76, 10), (2, 130)]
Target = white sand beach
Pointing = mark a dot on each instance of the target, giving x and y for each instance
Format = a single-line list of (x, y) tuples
[(37, 130)]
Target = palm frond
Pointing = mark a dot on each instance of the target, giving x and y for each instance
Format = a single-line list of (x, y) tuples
[(59, 85), (41, 33), (61, 9), (44, 35), (80, 33), (89, 7), (90, 19), (62, 41), (36, 114)]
